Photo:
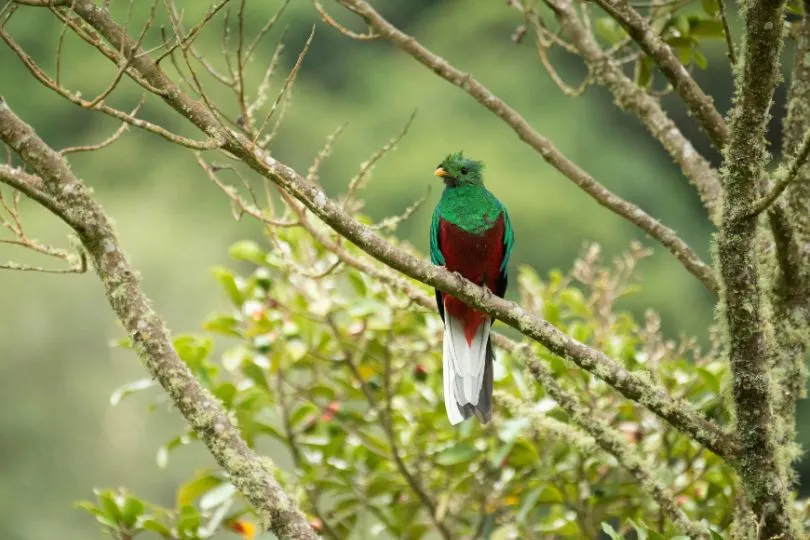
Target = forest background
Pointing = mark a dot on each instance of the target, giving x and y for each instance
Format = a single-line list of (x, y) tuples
[(60, 436)]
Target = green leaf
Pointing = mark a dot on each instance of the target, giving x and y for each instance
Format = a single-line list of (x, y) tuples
[(233, 357), (357, 282), (223, 324), (189, 492), (247, 250), (217, 496), (228, 282), (609, 30), (193, 350), (529, 502), (611, 532), (188, 522), (152, 524), (303, 412), (257, 375), (710, 7), (682, 24), (456, 454), (132, 510), (109, 505), (644, 72), (163, 451), (130, 388), (706, 28), (700, 59)]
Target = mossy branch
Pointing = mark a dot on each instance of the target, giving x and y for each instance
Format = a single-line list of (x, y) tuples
[(764, 475), (550, 153), (700, 104), (313, 197), (67, 197), (611, 442), (785, 175), (630, 97)]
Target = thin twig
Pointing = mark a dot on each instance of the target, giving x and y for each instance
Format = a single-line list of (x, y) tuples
[(325, 17), (285, 87), (784, 178), (387, 424), (679, 413), (42, 77), (701, 105), (108, 141), (636, 101), (732, 56), (666, 236)]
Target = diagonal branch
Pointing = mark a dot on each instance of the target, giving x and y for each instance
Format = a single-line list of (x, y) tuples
[(70, 199), (630, 97), (678, 413), (784, 177), (700, 104), (314, 198), (612, 443), (664, 235)]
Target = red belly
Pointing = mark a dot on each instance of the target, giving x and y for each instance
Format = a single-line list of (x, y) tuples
[(478, 258)]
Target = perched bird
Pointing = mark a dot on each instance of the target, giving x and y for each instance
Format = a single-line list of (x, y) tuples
[(470, 234)]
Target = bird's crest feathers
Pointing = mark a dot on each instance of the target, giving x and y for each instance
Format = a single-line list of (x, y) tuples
[(456, 169)]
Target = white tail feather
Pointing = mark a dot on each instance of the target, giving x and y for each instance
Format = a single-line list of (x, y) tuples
[(449, 375), (463, 365)]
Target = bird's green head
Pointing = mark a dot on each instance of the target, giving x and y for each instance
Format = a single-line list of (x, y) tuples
[(456, 170)]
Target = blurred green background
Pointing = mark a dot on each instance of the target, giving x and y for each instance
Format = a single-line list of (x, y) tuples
[(60, 436)]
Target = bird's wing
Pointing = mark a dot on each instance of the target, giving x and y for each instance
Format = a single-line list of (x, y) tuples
[(436, 256)]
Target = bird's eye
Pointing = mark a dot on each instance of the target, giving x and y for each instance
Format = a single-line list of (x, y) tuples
[(464, 170)]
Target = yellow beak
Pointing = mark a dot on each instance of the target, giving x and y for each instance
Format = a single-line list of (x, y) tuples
[(440, 172)]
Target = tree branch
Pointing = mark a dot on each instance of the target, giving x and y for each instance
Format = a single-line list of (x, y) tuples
[(70, 199), (678, 413), (313, 197), (784, 177), (612, 443), (764, 475), (630, 97), (700, 104), (664, 235)]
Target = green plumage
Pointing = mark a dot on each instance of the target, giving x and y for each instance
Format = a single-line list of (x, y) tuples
[(467, 204), (470, 234)]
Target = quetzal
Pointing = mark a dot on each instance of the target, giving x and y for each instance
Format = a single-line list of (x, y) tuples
[(470, 234)]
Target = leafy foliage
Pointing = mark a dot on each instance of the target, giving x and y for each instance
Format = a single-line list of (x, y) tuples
[(343, 374)]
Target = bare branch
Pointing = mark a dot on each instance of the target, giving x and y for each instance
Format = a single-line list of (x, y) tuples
[(312, 196), (666, 236), (42, 77), (325, 152), (325, 17), (677, 412), (612, 443), (43, 3), (285, 87), (254, 476), (636, 101), (701, 105), (109, 140), (732, 56), (358, 180)]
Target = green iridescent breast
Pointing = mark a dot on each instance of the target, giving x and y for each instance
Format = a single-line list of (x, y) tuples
[(471, 208)]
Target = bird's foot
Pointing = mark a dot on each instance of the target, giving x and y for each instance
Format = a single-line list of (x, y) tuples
[(459, 277)]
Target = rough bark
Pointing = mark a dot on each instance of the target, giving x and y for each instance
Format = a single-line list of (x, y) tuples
[(762, 472), (67, 197)]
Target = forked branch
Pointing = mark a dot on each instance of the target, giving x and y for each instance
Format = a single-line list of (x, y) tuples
[(550, 153)]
